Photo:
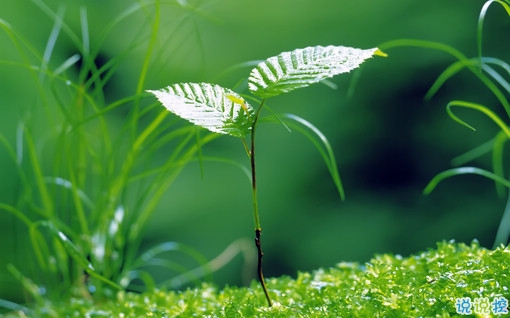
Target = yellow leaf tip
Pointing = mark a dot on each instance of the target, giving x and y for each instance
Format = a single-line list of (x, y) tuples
[(380, 53)]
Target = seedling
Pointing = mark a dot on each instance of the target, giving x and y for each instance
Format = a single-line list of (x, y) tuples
[(223, 111)]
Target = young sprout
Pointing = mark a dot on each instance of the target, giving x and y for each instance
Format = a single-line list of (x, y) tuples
[(239, 101), (204, 104)]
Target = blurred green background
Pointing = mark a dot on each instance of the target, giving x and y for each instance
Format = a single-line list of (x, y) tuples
[(389, 142)]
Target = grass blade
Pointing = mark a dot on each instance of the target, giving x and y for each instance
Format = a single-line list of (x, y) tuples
[(448, 73), (322, 145), (38, 175), (50, 45), (14, 306), (497, 160), (67, 64), (237, 247), (149, 258), (463, 170), (462, 61), (85, 38), (28, 284), (76, 255), (145, 277), (69, 186), (55, 16), (474, 153), (497, 77), (17, 213), (503, 233), (484, 110), (481, 19)]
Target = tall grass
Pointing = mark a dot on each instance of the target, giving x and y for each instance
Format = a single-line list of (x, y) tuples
[(494, 76), (88, 181)]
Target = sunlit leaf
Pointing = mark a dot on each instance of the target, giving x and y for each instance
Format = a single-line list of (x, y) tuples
[(209, 106), (302, 67)]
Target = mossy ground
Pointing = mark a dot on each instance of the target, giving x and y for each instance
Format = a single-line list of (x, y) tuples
[(422, 285)]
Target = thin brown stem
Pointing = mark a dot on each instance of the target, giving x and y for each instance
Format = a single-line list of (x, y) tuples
[(258, 229), (259, 267)]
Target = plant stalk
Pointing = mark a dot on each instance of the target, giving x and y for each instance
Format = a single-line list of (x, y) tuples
[(259, 266), (258, 229)]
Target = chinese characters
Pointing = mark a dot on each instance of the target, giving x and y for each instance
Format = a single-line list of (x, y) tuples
[(483, 306)]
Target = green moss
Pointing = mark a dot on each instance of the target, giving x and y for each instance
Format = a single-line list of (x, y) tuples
[(426, 285)]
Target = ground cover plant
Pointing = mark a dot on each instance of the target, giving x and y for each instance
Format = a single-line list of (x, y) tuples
[(432, 283)]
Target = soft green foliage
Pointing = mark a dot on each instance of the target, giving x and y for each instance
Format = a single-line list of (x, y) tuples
[(422, 285), (498, 83), (88, 184)]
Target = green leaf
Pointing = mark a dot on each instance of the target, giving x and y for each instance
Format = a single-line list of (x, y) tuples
[(481, 20), (322, 145), (209, 106), (482, 109), (463, 170), (302, 67)]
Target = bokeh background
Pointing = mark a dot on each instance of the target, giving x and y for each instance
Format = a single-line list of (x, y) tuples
[(388, 140)]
